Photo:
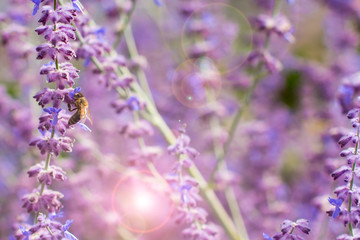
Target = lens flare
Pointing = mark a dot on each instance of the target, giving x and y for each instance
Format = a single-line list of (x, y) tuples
[(142, 202), (235, 37), (193, 79)]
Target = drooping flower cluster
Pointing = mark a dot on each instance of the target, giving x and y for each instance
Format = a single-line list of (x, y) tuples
[(269, 25), (287, 230), (14, 36), (186, 189), (348, 193), (53, 123)]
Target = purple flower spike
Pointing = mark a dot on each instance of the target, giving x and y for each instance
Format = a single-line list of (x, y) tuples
[(56, 27), (337, 203)]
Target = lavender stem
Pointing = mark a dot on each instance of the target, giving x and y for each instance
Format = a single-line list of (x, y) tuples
[(352, 181), (131, 45), (124, 22), (47, 163)]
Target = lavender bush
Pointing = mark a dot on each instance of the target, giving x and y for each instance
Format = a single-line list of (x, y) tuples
[(209, 120)]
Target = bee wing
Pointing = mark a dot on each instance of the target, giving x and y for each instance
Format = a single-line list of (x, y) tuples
[(88, 115)]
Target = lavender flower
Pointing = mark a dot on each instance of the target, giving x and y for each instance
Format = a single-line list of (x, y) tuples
[(36, 6), (349, 191), (53, 123), (46, 175), (68, 235), (287, 230), (187, 190), (278, 24)]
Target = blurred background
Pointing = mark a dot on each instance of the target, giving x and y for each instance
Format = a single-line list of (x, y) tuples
[(284, 147)]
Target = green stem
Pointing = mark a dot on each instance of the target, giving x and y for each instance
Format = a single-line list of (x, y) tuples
[(229, 191), (57, 64), (220, 164), (292, 230), (47, 164), (142, 145), (352, 180), (48, 157), (277, 7), (241, 109), (131, 45), (123, 22)]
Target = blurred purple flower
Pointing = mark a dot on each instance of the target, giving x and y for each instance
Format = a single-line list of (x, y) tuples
[(206, 232), (55, 215), (25, 233), (144, 155), (135, 130), (345, 96), (272, 64), (158, 2), (278, 24), (77, 6), (133, 103), (267, 237), (100, 33)]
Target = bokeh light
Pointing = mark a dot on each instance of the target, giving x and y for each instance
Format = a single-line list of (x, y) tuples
[(142, 202), (233, 34), (196, 82)]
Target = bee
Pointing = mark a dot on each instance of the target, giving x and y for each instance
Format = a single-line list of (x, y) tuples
[(82, 110)]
